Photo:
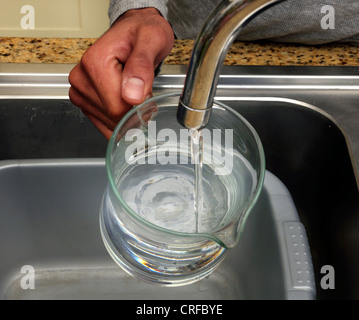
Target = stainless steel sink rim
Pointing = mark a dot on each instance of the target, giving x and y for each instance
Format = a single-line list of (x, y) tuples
[(55, 77)]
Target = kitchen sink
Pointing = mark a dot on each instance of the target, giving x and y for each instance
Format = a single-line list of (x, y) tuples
[(307, 119)]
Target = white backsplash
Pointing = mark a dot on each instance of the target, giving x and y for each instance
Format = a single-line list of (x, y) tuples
[(53, 18)]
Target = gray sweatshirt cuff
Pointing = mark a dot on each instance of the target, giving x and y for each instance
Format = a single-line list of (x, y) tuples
[(119, 7)]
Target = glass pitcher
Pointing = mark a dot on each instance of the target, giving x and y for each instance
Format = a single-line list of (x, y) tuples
[(177, 200)]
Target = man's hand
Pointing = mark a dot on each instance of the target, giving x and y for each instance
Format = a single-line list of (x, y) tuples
[(117, 71)]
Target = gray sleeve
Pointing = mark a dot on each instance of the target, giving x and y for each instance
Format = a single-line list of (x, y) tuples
[(118, 7), (294, 21), (304, 21)]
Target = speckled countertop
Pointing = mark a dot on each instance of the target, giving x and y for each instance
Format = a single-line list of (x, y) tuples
[(59, 50)]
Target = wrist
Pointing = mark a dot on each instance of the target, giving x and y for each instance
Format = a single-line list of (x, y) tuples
[(141, 11), (149, 10)]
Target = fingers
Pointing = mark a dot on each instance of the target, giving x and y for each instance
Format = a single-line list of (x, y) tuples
[(84, 95), (82, 90), (104, 78), (87, 107), (98, 92), (117, 71)]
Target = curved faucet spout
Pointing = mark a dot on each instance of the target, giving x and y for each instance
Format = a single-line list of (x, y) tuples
[(210, 49)]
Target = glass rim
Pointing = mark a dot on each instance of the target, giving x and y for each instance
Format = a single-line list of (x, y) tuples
[(251, 200)]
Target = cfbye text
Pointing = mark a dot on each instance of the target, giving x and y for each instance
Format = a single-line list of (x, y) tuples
[(185, 309)]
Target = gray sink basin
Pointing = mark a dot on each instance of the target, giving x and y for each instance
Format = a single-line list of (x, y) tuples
[(307, 119), (49, 221)]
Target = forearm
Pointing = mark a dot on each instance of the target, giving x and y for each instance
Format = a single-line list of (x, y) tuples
[(118, 7)]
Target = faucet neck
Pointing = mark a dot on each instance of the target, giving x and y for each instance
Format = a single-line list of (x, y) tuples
[(209, 52)]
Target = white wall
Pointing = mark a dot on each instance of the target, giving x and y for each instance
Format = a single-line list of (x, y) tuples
[(53, 18)]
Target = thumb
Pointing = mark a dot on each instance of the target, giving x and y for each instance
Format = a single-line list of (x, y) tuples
[(138, 75), (150, 48)]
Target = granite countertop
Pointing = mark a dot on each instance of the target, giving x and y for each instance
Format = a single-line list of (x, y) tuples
[(68, 50)]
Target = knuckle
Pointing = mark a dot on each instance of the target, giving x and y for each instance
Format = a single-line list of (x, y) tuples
[(73, 76), (86, 60), (157, 33)]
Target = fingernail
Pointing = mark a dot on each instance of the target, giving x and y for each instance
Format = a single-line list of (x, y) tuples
[(134, 89)]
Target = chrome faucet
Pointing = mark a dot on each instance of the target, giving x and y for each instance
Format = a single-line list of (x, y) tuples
[(209, 52)]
